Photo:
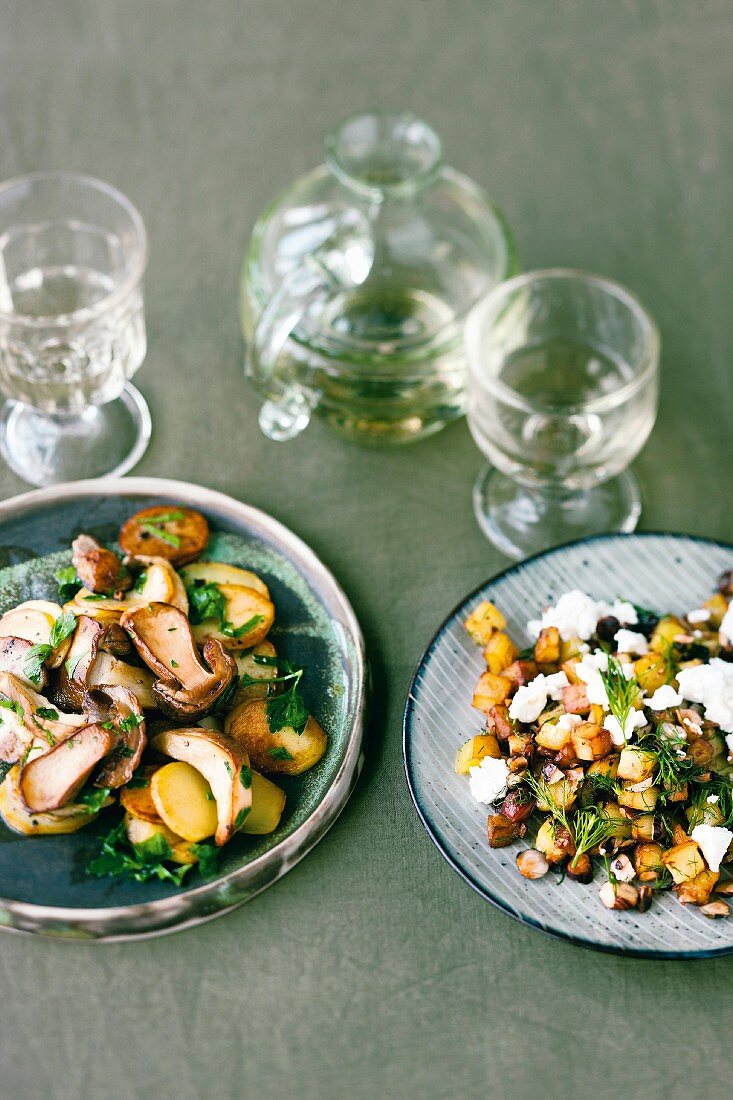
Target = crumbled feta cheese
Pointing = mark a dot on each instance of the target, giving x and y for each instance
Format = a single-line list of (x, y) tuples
[(589, 670), (726, 627), (555, 682), (568, 721), (711, 685), (575, 615), (529, 700), (488, 779), (663, 698), (714, 842), (629, 641), (625, 612), (699, 615), (634, 720)]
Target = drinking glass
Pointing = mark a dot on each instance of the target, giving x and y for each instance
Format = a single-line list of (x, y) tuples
[(563, 394), (73, 252)]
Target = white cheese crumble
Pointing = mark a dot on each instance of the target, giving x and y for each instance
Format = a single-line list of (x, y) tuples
[(488, 779), (699, 615), (663, 698), (713, 798), (714, 842), (630, 641), (619, 736), (711, 685), (576, 615), (622, 869), (568, 721), (530, 699), (726, 627)]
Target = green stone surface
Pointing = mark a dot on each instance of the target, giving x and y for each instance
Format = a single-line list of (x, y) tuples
[(603, 130)]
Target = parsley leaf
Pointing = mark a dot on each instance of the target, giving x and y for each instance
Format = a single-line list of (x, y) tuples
[(8, 704), (239, 631), (93, 799), (49, 713), (208, 857), (205, 601), (241, 817), (68, 582), (279, 752), (287, 710), (62, 628), (35, 659), (245, 776), (140, 582), (160, 533), (118, 858)]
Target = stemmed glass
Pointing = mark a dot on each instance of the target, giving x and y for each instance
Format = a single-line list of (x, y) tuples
[(563, 392), (73, 252)]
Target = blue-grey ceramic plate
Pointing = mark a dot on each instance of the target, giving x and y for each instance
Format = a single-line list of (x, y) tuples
[(664, 572), (43, 887)]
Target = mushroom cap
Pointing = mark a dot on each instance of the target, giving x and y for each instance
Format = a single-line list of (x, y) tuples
[(111, 703), (98, 568), (187, 686)]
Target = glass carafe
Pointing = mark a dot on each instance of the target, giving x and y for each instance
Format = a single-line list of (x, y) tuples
[(357, 283)]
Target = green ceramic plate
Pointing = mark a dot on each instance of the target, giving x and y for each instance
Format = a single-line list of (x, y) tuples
[(43, 887)]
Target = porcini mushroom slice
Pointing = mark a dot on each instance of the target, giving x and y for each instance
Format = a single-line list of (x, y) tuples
[(74, 673), (54, 779), (28, 721), (186, 687), (167, 531), (90, 662), (14, 656), (98, 568), (116, 705), (225, 767)]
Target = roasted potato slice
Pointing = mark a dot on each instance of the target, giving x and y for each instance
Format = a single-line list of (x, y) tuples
[(218, 572), (184, 801), (137, 799), (268, 803), (243, 606), (166, 531), (285, 750), (140, 831)]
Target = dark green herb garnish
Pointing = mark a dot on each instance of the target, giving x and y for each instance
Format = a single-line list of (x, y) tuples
[(10, 704), (48, 713), (118, 858), (159, 533), (205, 601), (208, 857), (140, 582), (68, 582), (279, 752), (245, 777), (287, 709), (239, 631), (93, 798), (241, 817)]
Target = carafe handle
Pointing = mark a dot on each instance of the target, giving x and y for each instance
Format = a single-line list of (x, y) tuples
[(289, 404)]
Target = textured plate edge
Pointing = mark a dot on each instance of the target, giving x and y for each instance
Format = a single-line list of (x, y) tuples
[(477, 887), (115, 924)]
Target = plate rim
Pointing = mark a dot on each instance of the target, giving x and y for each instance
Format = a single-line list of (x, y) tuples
[(87, 924), (476, 886)]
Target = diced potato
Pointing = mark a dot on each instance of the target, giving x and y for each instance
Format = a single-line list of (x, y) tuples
[(642, 827), (490, 691), (591, 742), (644, 801), (285, 750), (547, 646), (520, 744), (717, 605), (521, 672), (499, 652), (501, 830), (596, 714), (499, 722), (268, 803), (575, 699), (683, 861), (184, 801), (482, 622), (563, 793), (697, 890), (474, 750), (623, 830), (247, 666), (568, 667), (552, 736), (706, 813), (636, 764), (571, 648), (553, 842), (677, 794), (651, 672), (665, 633), (648, 859), (608, 766)]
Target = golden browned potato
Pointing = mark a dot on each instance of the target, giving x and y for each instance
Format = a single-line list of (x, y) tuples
[(683, 861), (137, 798), (285, 750), (474, 750), (184, 801), (268, 803), (500, 652), (165, 531), (243, 606), (218, 572)]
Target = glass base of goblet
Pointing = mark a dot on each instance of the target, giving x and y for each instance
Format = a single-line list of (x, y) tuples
[(522, 521), (104, 440)]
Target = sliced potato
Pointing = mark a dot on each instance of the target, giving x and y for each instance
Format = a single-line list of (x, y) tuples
[(167, 531), (248, 666), (218, 572), (161, 584), (285, 750), (138, 800), (17, 816), (242, 605), (184, 801), (140, 831), (268, 803)]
